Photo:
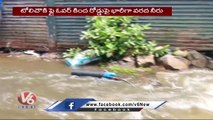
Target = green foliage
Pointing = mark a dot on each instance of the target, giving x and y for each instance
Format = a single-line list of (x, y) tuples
[(161, 51), (123, 70), (115, 37), (71, 53), (182, 53)]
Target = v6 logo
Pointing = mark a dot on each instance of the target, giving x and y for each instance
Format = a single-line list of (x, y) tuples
[(27, 98)]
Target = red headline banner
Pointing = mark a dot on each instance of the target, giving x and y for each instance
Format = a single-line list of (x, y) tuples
[(92, 11)]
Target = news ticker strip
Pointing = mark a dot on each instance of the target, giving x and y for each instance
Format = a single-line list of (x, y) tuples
[(92, 11), (91, 105)]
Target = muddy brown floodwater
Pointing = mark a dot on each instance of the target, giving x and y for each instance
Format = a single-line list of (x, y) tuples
[(189, 93)]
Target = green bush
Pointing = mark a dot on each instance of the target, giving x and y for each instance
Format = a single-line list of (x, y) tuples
[(71, 53), (115, 37), (160, 51)]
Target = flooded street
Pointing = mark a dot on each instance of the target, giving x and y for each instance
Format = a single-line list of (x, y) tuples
[(189, 93)]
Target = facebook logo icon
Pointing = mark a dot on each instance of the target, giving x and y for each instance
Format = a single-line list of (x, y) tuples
[(70, 105)]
